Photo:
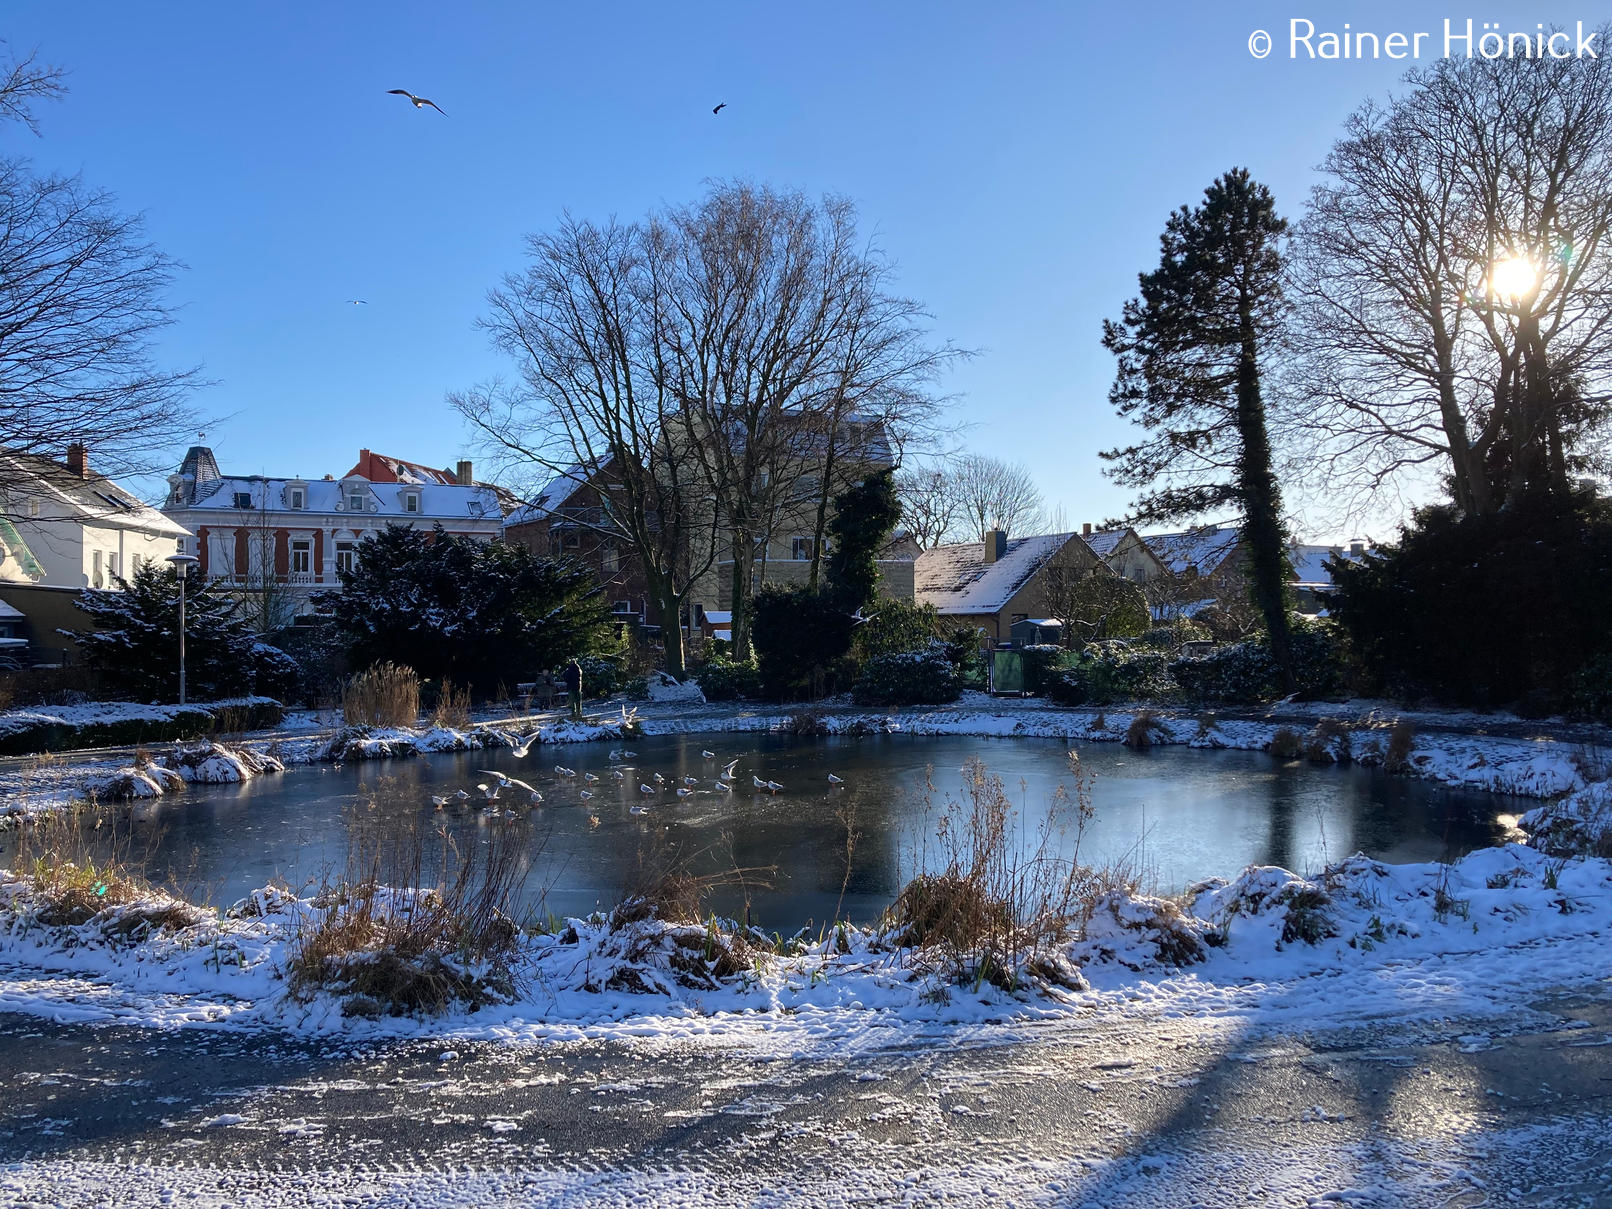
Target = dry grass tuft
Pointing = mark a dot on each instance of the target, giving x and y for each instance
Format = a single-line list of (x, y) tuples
[(1401, 743), (1145, 730), (403, 930), (1286, 744), (453, 707), (1328, 743), (383, 695)]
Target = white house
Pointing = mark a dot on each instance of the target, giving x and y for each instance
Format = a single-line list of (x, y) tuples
[(64, 526), (297, 534)]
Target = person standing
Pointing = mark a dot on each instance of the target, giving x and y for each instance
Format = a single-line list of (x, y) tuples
[(572, 677)]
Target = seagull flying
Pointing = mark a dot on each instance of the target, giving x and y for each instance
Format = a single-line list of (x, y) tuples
[(519, 750), (491, 791), (357, 302), (462, 794), (720, 107), (727, 772), (417, 102)]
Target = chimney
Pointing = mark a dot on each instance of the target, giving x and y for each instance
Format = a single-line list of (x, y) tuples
[(1085, 529), (995, 544), (465, 478), (1357, 549), (78, 462)]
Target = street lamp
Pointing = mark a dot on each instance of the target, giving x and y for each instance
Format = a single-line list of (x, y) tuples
[(182, 563)]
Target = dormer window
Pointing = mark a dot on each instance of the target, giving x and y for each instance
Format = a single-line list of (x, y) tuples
[(355, 499), (411, 501), (297, 498), (243, 499)]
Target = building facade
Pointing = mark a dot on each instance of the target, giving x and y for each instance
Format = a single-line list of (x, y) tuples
[(289, 538)]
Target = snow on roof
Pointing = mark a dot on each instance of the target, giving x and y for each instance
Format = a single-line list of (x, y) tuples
[(437, 500), (88, 499), (1309, 570), (1102, 544), (957, 579), (555, 492), (1205, 547), (1042, 621), (718, 616), (7, 613)]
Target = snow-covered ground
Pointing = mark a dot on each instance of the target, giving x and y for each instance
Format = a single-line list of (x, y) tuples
[(1362, 942)]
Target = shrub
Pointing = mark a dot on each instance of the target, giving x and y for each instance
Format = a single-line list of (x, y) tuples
[(1286, 744), (965, 654), (1592, 689), (723, 681), (1105, 673), (383, 695), (896, 626), (801, 638), (1242, 671), (275, 673), (923, 677), (1145, 730), (1171, 634), (1039, 664), (1483, 610)]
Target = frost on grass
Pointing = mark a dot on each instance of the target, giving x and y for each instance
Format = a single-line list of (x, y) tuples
[(1579, 824)]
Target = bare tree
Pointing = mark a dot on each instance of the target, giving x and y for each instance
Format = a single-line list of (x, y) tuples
[(593, 404), (792, 362), (929, 504), (994, 494), (22, 82), (80, 302), (1413, 355)]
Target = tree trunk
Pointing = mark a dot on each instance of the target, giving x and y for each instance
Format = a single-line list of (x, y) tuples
[(744, 562), (1262, 509), (669, 604)]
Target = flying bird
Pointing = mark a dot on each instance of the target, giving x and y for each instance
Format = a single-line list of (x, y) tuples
[(491, 791), (417, 102), (519, 750), (727, 772), (357, 302), (720, 107), (462, 794)]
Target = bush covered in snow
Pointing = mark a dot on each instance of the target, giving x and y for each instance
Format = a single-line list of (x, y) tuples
[(1108, 672), (922, 677), (724, 681), (1041, 662)]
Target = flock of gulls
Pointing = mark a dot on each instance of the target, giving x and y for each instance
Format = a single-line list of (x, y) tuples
[(489, 793)]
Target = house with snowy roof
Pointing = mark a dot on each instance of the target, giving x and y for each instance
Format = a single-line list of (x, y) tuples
[(64, 527), (1125, 553), (294, 536), (1312, 577), (990, 585)]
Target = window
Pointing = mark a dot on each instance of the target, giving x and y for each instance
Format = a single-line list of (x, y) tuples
[(621, 606), (346, 557), (96, 579), (355, 499), (243, 499), (134, 565), (572, 540), (800, 548), (610, 560), (298, 499), (301, 556), (411, 501), (111, 563)]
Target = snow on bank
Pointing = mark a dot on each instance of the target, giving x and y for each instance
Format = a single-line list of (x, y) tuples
[(1362, 942), (188, 763), (1578, 824)]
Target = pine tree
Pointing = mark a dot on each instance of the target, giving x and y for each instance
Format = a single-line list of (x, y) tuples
[(477, 613), (1190, 349), (864, 517), (134, 648)]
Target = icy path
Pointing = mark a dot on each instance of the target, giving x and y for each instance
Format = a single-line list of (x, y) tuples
[(1118, 1113)]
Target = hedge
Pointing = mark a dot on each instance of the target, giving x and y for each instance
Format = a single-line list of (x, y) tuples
[(29, 732)]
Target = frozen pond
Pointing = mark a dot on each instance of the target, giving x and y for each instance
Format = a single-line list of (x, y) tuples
[(1178, 813)]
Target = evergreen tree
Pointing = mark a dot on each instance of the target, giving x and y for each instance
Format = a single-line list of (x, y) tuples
[(134, 648), (1190, 349), (477, 613), (803, 633)]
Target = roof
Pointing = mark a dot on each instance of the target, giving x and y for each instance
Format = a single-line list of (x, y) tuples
[(7, 613), (718, 616), (1204, 548), (958, 580), (437, 502), (1309, 570), (88, 499), (1104, 543), (555, 492)]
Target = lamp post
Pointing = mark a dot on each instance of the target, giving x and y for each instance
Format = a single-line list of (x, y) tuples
[(182, 563)]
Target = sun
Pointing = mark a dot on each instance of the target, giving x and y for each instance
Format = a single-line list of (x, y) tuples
[(1513, 277)]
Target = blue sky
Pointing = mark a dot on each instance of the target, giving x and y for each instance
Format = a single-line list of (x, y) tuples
[(1016, 160)]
